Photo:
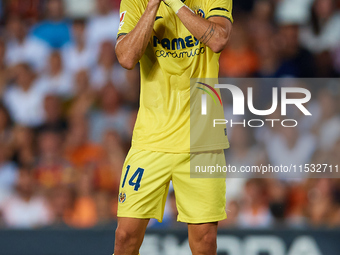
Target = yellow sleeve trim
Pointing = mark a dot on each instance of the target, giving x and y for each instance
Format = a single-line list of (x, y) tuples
[(120, 34)]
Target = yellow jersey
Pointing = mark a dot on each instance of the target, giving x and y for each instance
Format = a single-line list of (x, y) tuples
[(172, 58)]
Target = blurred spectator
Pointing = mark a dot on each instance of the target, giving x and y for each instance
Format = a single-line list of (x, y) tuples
[(107, 69), (28, 9), (54, 120), (277, 195), (238, 59), (334, 159), (328, 126), (325, 66), (108, 171), (262, 15), (84, 211), (103, 206), (8, 170), (104, 25), (78, 55), (293, 12), (232, 215), (297, 199), (8, 174), (321, 204), (336, 59), (58, 79), (24, 99), (76, 8), (23, 146), (79, 150), (323, 32), (255, 211), (290, 146), (296, 60), (4, 72), (243, 152), (54, 29), (52, 169), (110, 116), (25, 209), (6, 134), (61, 199), (23, 48), (3, 51), (84, 97), (267, 51)]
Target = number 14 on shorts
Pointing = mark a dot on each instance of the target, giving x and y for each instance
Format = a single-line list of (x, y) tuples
[(138, 174)]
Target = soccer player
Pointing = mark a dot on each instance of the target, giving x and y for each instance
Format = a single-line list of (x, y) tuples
[(174, 41)]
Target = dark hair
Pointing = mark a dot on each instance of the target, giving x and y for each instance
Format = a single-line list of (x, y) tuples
[(315, 21), (79, 21), (5, 111)]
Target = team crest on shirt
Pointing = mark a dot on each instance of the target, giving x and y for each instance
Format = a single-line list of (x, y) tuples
[(122, 17), (200, 12), (122, 197)]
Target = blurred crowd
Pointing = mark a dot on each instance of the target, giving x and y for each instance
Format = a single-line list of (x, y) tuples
[(68, 109)]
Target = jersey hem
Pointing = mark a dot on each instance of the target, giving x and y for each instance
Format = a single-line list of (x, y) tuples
[(139, 216), (213, 147), (219, 146), (202, 220)]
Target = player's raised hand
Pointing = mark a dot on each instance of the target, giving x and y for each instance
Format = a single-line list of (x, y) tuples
[(129, 52)]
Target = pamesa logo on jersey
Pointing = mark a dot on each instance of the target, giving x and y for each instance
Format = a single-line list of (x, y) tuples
[(176, 43)]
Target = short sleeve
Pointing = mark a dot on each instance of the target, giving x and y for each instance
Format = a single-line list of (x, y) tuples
[(129, 16), (221, 8)]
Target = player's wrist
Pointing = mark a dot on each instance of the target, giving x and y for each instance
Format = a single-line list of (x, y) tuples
[(154, 3), (175, 5)]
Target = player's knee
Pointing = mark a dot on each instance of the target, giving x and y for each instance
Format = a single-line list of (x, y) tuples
[(207, 242), (126, 238)]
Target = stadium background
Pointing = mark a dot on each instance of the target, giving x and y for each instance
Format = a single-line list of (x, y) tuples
[(67, 113)]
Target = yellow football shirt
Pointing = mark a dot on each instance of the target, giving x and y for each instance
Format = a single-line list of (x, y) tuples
[(172, 57)]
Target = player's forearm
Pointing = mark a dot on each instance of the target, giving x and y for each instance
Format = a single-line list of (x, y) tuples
[(212, 34), (131, 47)]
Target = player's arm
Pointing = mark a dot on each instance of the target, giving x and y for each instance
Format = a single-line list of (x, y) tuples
[(213, 32), (131, 47)]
